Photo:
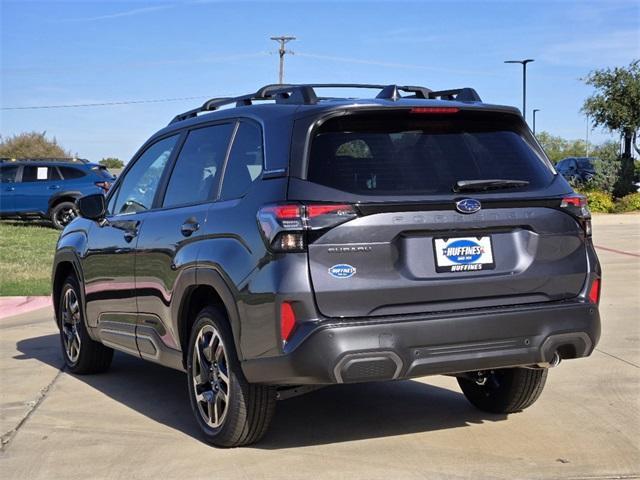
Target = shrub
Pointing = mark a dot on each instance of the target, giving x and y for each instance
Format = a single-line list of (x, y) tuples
[(601, 202), (31, 144), (628, 203)]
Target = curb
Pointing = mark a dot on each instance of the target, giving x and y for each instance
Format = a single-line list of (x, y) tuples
[(10, 306)]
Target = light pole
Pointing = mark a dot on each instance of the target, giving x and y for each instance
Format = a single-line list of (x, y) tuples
[(524, 83), (535, 110), (587, 138)]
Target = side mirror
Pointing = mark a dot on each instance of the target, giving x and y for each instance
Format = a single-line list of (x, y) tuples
[(92, 206)]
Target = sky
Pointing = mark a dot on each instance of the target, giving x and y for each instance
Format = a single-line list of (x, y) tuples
[(85, 52)]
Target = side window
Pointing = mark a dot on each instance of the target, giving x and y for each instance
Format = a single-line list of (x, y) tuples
[(34, 173), (138, 188), (196, 173), (69, 173), (8, 174), (245, 161)]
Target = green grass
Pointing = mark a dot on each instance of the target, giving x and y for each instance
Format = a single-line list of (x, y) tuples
[(26, 254)]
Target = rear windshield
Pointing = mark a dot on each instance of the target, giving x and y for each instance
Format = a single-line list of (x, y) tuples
[(414, 154)]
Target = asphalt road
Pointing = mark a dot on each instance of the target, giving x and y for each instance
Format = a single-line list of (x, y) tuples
[(135, 422)]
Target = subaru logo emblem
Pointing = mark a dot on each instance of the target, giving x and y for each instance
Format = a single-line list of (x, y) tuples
[(468, 205)]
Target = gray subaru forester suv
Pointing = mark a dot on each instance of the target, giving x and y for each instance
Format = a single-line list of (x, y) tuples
[(291, 241)]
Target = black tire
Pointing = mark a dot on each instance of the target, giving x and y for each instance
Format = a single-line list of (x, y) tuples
[(88, 356), (62, 214), (248, 408), (507, 390)]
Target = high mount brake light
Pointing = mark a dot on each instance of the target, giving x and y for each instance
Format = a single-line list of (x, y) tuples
[(577, 206), (285, 226), (434, 110)]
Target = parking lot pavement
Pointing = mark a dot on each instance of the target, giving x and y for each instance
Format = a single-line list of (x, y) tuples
[(135, 422)]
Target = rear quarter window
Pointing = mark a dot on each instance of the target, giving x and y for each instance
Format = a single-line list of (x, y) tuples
[(412, 154)]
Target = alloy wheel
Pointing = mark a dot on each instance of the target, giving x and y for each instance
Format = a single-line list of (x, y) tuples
[(210, 376), (70, 325), (65, 215)]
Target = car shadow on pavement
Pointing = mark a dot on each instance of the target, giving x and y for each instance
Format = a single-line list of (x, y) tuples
[(333, 414)]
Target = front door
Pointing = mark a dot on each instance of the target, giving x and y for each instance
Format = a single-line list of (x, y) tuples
[(8, 176)]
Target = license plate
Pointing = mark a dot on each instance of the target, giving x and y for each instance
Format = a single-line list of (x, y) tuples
[(463, 254)]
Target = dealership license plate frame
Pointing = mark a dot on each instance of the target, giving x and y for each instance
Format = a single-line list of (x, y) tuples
[(443, 264)]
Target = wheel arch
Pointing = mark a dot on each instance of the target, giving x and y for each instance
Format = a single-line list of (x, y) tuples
[(65, 264), (209, 289), (65, 196)]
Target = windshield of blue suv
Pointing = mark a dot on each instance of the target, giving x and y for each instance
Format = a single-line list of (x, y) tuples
[(414, 154)]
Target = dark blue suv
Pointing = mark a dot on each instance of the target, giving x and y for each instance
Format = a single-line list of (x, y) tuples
[(48, 188)]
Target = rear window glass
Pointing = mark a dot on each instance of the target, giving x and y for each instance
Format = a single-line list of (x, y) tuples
[(103, 171), (413, 154), (69, 173)]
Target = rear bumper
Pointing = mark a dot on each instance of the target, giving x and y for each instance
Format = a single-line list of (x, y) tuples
[(420, 345)]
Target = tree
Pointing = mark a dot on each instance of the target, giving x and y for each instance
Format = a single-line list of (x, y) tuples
[(607, 167), (31, 145), (616, 107), (558, 148), (111, 162)]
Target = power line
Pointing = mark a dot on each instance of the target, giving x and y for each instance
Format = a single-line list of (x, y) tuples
[(105, 104)]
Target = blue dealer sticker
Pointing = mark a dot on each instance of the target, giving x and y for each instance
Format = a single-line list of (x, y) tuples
[(342, 270)]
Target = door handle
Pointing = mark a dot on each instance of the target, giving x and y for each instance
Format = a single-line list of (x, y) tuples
[(54, 187), (189, 227)]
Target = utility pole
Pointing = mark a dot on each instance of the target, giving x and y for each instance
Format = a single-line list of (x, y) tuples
[(524, 83), (282, 51), (535, 110)]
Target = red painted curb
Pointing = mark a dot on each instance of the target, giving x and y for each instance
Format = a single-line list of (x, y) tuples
[(10, 306)]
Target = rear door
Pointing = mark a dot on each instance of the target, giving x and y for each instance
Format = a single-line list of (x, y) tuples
[(426, 241), (37, 185)]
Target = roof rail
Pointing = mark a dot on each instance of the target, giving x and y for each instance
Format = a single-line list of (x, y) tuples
[(305, 94), (44, 159)]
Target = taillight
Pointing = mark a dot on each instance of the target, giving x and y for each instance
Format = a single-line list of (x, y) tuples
[(594, 291), (285, 227), (104, 186), (287, 321), (434, 110), (577, 206)]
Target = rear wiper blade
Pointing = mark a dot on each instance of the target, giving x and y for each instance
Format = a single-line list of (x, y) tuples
[(489, 184)]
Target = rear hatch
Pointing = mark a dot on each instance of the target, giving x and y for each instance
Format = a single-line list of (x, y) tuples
[(455, 209)]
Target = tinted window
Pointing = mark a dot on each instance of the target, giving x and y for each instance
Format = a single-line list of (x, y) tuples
[(138, 188), (245, 161), (393, 154), (585, 163), (8, 174), (196, 172), (103, 172), (34, 173), (70, 172)]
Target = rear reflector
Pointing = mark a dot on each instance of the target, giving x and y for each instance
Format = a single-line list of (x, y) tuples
[(287, 321), (434, 110), (594, 291)]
